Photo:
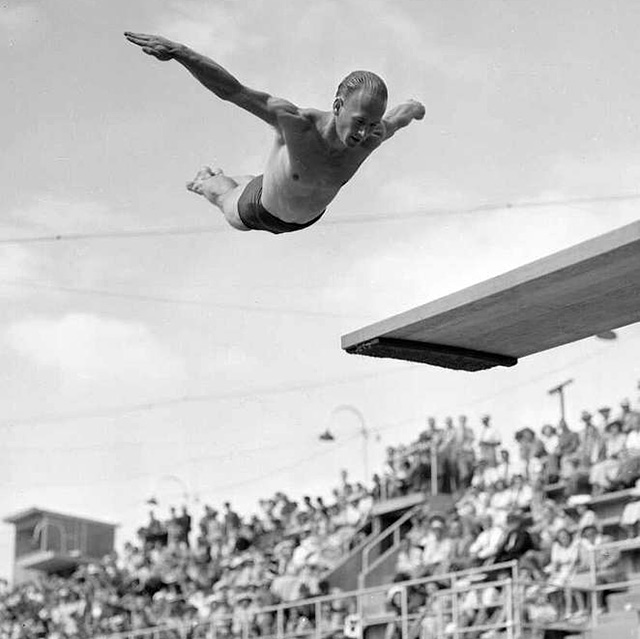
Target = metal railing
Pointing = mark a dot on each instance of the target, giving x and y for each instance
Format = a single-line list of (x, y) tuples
[(349, 613), (358, 608), (393, 532)]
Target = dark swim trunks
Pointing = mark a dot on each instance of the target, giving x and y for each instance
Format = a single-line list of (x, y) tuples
[(255, 216)]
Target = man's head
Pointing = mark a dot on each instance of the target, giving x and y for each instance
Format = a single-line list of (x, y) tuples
[(360, 103)]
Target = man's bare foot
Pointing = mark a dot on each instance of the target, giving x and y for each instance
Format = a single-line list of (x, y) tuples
[(205, 173)]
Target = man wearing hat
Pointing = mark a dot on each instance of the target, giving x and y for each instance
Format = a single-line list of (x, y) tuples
[(517, 540), (437, 550)]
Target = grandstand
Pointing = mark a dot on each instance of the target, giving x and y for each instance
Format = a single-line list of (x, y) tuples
[(453, 538)]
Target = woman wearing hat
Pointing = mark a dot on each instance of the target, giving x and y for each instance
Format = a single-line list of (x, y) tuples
[(603, 474)]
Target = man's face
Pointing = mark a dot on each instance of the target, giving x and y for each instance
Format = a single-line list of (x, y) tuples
[(357, 116)]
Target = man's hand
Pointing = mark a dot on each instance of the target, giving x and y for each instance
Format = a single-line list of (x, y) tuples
[(157, 46), (419, 110)]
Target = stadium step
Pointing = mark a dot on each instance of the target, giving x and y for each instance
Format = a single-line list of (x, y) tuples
[(616, 625), (625, 601)]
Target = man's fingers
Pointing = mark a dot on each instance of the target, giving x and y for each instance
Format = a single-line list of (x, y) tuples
[(138, 38)]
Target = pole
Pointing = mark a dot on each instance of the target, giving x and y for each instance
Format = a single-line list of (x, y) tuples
[(559, 390)]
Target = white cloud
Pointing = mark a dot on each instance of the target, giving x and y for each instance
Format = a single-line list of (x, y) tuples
[(90, 354), (19, 23), (213, 29)]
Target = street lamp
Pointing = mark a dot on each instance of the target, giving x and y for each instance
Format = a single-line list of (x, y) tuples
[(327, 435), (154, 501)]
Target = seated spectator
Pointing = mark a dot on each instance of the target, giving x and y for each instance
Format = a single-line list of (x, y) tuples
[(461, 540), (521, 493), (483, 549), (517, 540), (562, 567), (409, 559), (608, 568), (437, 548), (604, 473), (504, 469), (585, 516), (629, 471), (630, 517)]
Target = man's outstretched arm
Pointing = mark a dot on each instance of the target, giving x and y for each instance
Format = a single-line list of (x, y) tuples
[(401, 116), (217, 79)]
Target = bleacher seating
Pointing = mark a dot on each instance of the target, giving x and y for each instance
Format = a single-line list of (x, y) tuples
[(393, 561)]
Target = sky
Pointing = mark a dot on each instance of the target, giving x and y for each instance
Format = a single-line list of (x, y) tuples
[(153, 350)]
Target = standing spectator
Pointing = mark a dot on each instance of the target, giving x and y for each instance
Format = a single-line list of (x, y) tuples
[(551, 443), (630, 418), (568, 443), (466, 455), (488, 441), (531, 452), (173, 528), (604, 473), (184, 522), (231, 520)]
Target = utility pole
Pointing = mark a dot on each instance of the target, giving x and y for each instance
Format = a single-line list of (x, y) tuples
[(559, 390)]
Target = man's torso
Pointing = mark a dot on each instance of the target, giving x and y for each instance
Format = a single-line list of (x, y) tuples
[(303, 175)]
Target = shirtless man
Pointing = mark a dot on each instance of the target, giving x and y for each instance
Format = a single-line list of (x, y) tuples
[(315, 153)]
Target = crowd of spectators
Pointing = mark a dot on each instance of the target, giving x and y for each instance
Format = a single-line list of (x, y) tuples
[(227, 567), (502, 512), (224, 571)]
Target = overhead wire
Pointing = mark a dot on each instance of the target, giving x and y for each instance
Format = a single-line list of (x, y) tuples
[(115, 411), (252, 308), (340, 220)]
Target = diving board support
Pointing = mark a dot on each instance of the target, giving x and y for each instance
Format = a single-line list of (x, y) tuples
[(576, 293), (434, 354)]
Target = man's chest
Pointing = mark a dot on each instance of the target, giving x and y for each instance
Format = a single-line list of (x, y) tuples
[(310, 158)]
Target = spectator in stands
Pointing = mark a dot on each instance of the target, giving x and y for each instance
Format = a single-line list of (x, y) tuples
[(521, 493), (504, 468), (630, 517), (585, 516), (531, 452), (516, 542), (466, 455), (608, 567), (461, 540), (231, 520), (437, 548), (630, 418), (486, 544), (604, 473), (409, 559), (562, 567), (488, 441), (629, 470), (184, 523), (568, 444), (551, 442)]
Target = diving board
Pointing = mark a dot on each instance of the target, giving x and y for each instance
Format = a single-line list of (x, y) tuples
[(576, 293)]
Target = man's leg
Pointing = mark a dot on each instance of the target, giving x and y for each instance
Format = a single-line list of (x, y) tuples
[(222, 191)]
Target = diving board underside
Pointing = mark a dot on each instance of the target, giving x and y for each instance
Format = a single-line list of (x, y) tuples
[(584, 290)]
